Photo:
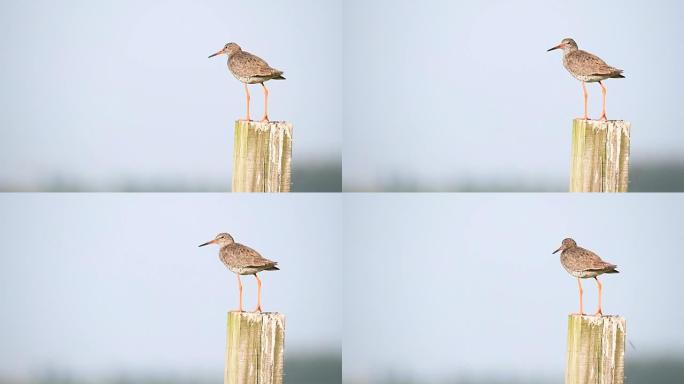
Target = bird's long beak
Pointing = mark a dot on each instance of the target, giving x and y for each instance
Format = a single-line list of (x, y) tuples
[(554, 252), (207, 243), (216, 54), (556, 47)]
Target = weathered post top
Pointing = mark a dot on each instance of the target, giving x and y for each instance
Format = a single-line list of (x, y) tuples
[(600, 156), (254, 348), (262, 156), (596, 350)]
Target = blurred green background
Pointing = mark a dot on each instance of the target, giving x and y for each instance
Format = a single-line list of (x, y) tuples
[(324, 176), (656, 370), (646, 176), (322, 368)]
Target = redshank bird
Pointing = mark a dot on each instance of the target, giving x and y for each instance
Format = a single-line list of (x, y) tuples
[(583, 264), (587, 68), (242, 260), (250, 69)]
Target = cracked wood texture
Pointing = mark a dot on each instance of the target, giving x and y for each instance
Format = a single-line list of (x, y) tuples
[(262, 156), (600, 156), (254, 348), (596, 350)]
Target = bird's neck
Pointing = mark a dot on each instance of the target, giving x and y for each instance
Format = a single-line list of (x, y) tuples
[(568, 50)]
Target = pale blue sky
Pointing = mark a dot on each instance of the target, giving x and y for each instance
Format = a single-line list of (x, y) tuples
[(441, 286), (445, 93), (93, 284), (108, 93)]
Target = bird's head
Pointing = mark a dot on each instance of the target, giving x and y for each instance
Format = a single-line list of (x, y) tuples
[(222, 239), (566, 45), (566, 244), (229, 49)]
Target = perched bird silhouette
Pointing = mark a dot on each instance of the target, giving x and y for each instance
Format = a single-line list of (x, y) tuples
[(242, 260), (587, 68), (250, 69), (583, 264)]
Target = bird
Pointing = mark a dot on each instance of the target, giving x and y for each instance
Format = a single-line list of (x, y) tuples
[(583, 264), (587, 68), (242, 260), (250, 69)]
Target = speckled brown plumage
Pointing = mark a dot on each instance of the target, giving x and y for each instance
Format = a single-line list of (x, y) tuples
[(587, 68), (582, 264), (242, 260), (250, 69)]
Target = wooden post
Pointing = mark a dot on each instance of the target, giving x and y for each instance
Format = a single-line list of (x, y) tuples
[(600, 156), (596, 350), (262, 156), (254, 349)]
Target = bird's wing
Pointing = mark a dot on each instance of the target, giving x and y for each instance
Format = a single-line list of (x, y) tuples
[(244, 64), (591, 261), (587, 64), (245, 256)]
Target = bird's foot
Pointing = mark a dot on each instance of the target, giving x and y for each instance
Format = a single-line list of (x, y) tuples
[(598, 313), (257, 310), (265, 119), (603, 118)]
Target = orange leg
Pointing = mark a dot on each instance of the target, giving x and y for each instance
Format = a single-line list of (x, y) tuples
[(240, 289), (600, 288), (579, 284), (265, 118), (258, 308), (603, 109), (248, 98), (586, 96)]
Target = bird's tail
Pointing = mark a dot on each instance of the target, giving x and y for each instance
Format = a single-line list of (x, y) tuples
[(273, 268), (279, 76), (613, 270), (618, 74)]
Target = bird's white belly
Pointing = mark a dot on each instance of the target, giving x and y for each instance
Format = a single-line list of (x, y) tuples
[(248, 79), (589, 78), (584, 274), (244, 270)]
